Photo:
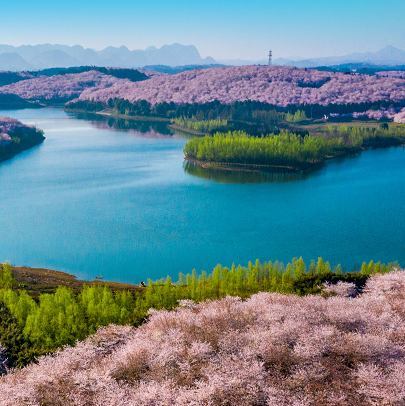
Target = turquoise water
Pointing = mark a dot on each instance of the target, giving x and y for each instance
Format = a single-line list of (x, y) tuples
[(96, 200)]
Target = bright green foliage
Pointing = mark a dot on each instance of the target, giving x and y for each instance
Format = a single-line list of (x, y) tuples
[(20, 305), (203, 126), (19, 351), (6, 280), (285, 148), (373, 268), (245, 281), (364, 136), (63, 317), (274, 149), (56, 321), (299, 115), (300, 268)]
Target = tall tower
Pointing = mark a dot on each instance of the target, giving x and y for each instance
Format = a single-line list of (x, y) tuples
[(270, 56)]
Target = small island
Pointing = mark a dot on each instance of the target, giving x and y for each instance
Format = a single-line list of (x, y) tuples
[(260, 137), (285, 151), (16, 137)]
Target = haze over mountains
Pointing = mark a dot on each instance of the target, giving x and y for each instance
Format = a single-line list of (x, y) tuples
[(31, 57), (44, 56), (389, 56)]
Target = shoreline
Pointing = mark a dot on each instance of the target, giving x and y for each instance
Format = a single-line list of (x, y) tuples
[(249, 167), (11, 154), (187, 130), (230, 166), (40, 280), (13, 149), (106, 113)]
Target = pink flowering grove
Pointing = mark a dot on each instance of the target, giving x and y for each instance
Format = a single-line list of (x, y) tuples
[(271, 349), (8, 125), (400, 117), (60, 86), (277, 85), (392, 73)]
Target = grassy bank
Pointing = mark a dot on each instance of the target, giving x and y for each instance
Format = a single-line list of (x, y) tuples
[(36, 281)]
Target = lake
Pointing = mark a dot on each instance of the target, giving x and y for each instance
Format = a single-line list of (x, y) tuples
[(118, 202)]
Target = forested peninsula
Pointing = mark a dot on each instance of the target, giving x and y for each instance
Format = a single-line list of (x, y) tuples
[(16, 137)]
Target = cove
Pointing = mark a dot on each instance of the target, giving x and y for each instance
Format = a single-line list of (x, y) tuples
[(99, 197)]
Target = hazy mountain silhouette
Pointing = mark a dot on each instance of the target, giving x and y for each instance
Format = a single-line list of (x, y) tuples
[(13, 62), (53, 58), (64, 56), (389, 56)]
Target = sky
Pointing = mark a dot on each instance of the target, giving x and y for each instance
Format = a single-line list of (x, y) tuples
[(223, 29)]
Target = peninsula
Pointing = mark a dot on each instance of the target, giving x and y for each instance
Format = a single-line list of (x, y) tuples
[(16, 137)]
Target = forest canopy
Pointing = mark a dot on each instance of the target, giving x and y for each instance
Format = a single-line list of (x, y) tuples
[(57, 319), (286, 150)]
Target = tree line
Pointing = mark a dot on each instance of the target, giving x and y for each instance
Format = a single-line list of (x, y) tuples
[(29, 328), (247, 111), (286, 148), (263, 114), (204, 125)]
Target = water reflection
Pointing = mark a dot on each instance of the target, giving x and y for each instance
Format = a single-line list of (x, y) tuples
[(227, 176), (152, 129)]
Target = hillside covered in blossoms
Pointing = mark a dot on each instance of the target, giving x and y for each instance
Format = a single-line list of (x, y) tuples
[(276, 85), (60, 86), (271, 349)]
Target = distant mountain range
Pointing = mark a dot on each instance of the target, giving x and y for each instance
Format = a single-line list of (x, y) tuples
[(30, 57), (389, 56)]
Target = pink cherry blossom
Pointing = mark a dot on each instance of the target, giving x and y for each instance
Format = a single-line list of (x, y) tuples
[(60, 86), (277, 85), (400, 117), (271, 349), (344, 289)]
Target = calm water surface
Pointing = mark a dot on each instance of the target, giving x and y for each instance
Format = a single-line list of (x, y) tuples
[(95, 200)]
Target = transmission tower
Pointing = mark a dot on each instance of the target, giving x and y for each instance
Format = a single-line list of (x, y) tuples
[(270, 56)]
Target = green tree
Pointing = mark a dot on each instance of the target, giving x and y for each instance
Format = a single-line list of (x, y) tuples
[(6, 278)]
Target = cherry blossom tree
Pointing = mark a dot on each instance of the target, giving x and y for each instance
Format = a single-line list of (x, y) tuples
[(272, 349), (400, 117), (61, 86), (277, 85)]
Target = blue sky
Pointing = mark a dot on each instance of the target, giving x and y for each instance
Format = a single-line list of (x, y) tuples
[(223, 29)]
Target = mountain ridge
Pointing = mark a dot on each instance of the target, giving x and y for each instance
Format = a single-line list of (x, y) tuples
[(44, 56), (388, 56)]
